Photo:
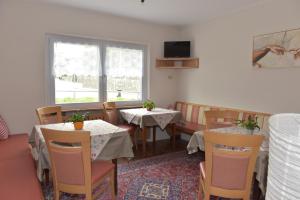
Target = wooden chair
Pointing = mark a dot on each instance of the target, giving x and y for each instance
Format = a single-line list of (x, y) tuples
[(111, 116), (71, 165), (228, 173), (220, 118), (49, 115), (109, 105)]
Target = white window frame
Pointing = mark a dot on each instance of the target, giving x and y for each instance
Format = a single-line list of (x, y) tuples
[(102, 44)]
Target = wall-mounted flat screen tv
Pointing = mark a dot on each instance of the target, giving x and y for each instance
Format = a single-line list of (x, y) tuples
[(177, 49)]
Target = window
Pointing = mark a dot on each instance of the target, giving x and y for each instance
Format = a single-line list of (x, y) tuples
[(86, 71), (124, 72), (76, 73)]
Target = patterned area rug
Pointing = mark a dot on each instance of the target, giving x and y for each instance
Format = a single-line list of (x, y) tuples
[(173, 176)]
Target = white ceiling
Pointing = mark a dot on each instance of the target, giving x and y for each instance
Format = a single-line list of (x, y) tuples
[(170, 12)]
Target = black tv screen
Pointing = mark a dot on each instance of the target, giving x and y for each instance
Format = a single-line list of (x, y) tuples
[(177, 49)]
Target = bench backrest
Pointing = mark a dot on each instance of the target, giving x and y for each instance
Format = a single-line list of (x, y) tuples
[(194, 113)]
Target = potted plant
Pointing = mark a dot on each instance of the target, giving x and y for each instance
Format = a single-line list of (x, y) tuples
[(250, 124), (78, 120), (149, 105)]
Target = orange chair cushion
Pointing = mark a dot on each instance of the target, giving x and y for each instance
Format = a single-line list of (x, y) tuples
[(227, 172), (69, 167), (14, 146), (100, 169), (112, 116)]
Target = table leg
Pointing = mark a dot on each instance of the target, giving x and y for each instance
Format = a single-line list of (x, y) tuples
[(174, 135), (144, 135), (154, 135), (115, 161)]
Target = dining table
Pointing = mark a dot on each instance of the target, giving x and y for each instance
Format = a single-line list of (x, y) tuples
[(196, 143), (108, 142), (146, 119)]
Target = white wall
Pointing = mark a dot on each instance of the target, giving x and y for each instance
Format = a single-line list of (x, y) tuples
[(226, 76), (22, 52), (224, 46)]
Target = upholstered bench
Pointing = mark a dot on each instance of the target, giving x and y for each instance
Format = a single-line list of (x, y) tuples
[(17, 170), (193, 118), (14, 147)]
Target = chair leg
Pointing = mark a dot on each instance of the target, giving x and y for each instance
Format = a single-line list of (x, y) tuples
[(112, 185), (56, 194), (88, 196), (246, 197), (200, 194), (206, 196)]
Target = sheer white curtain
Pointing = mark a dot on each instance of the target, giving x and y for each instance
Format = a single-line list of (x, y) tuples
[(78, 59), (124, 71), (82, 70), (75, 70)]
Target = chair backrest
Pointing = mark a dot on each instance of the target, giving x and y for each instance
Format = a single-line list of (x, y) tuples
[(229, 163), (111, 113), (220, 118), (49, 115), (109, 105), (70, 156)]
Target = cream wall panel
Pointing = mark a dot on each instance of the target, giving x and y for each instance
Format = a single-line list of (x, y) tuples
[(226, 77), (23, 25)]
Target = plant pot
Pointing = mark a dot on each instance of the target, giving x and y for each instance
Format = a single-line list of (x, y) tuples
[(78, 125), (149, 109), (251, 132)]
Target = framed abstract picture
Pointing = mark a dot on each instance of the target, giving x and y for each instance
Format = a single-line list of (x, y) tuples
[(277, 50)]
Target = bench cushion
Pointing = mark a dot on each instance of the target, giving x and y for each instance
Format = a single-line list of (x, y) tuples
[(19, 180), (189, 127), (17, 170), (15, 146)]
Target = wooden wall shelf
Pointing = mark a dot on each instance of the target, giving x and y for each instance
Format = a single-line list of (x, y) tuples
[(177, 63)]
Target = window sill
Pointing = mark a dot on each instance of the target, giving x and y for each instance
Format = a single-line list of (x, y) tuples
[(65, 110)]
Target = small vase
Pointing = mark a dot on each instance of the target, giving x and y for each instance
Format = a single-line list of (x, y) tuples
[(251, 132), (149, 109), (78, 125)]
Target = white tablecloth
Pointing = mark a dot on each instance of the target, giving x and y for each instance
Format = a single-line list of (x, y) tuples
[(196, 142), (107, 142), (158, 116)]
